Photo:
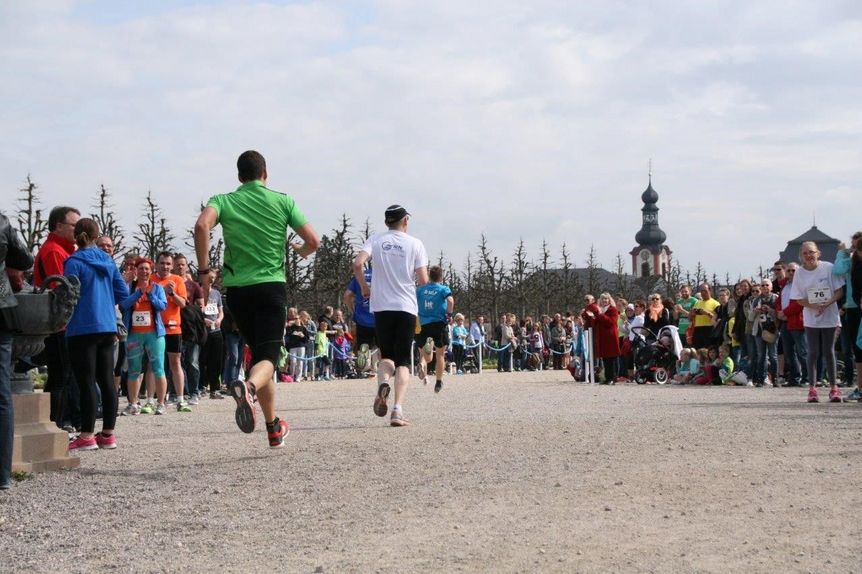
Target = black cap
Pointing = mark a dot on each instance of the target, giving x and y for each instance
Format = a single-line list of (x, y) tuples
[(395, 213)]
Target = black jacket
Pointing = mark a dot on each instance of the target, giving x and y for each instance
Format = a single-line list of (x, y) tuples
[(14, 255)]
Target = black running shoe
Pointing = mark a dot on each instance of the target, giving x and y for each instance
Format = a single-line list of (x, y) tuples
[(438, 386), (380, 406), (245, 411)]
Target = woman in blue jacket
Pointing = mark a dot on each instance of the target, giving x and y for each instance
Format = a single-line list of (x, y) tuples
[(91, 333)]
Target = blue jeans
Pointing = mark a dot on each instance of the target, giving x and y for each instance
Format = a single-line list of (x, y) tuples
[(7, 420), (767, 360), (191, 367), (232, 357), (795, 355)]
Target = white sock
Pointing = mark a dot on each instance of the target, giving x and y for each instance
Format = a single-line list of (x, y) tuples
[(396, 408)]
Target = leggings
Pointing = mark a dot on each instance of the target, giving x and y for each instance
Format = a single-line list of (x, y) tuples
[(821, 343), (92, 358)]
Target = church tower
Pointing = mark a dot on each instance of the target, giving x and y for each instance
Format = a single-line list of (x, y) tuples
[(651, 257)]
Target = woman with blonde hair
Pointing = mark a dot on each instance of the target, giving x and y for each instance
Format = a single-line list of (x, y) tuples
[(818, 291)]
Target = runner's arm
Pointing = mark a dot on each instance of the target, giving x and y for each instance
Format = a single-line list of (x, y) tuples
[(206, 221), (422, 275), (310, 241), (349, 299), (359, 272)]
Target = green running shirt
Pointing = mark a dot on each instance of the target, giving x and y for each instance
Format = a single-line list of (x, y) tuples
[(254, 222)]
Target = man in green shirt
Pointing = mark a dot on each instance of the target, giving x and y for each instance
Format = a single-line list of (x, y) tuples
[(680, 311), (254, 222)]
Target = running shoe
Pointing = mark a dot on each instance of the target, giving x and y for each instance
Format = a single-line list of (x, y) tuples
[(194, 400), (422, 372), (82, 443), (362, 357), (429, 345), (183, 407), (276, 437), (161, 409), (397, 419), (245, 411), (438, 386), (215, 395), (812, 395), (107, 441), (835, 395), (147, 409), (172, 400), (130, 410), (380, 406), (855, 395)]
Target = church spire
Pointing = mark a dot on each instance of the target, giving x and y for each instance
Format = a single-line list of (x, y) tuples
[(650, 233)]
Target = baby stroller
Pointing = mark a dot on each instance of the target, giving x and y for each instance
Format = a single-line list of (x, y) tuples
[(471, 360), (655, 355)]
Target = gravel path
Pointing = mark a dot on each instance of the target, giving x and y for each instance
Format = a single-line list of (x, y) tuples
[(521, 472)]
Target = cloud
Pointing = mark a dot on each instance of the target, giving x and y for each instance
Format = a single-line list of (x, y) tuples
[(514, 120)]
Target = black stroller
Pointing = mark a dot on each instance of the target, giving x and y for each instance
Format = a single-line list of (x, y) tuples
[(655, 355)]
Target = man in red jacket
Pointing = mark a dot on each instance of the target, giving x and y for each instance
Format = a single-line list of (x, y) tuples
[(59, 245), (793, 333)]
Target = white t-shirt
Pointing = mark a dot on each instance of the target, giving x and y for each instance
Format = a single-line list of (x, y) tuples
[(819, 282), (396, 258)]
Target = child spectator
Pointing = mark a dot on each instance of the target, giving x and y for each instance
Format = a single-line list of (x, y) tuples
[(340, 349), (686, 367), (321, 344), (708, 371)]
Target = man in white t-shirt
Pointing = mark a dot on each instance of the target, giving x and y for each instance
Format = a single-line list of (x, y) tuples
[(400, 263)]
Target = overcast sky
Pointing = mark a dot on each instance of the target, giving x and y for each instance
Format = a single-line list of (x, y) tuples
[(531, 120)]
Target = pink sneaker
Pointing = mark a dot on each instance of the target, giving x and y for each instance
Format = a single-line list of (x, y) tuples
[(835, 395), (108, 441), (812, 395), (82, 443)]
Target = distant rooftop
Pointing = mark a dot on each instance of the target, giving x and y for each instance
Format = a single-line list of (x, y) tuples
[(828, 245)]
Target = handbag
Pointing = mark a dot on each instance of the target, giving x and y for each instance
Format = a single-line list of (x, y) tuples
[(769, 336)]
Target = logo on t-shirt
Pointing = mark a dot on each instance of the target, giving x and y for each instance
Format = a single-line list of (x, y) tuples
[(388, 245)]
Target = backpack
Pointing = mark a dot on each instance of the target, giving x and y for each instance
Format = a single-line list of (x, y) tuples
[(192, 321)]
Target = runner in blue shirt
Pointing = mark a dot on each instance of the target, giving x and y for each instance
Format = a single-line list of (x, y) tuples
[(363, 319), (435, 310)]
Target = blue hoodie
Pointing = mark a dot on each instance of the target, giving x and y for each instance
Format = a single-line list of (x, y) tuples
[(102, 287)]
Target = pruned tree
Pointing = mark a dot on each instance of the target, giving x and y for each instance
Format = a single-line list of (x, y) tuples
[(104, 216), (491, 277), (593, 267), (30, 222), (332, 266), (545, 279), (216, 248), (567, 273), (153, 234), (621, 284), (516, 280)]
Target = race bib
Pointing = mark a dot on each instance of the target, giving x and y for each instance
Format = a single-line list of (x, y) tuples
[(142, 319), (211, 310), (819, 294)]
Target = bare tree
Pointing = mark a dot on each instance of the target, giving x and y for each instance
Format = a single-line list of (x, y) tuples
[(621, 284), (545, 279), (490, 277), (593, 267), (30, 222), (104, 216), (567, 272), (153, 235), (333, 265), (516, 281), (216, 248)]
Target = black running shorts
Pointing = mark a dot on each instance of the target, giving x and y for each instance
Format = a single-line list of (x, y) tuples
[(173, 343), (260, 312), (395, 331), (437, 331), (366, 336)]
